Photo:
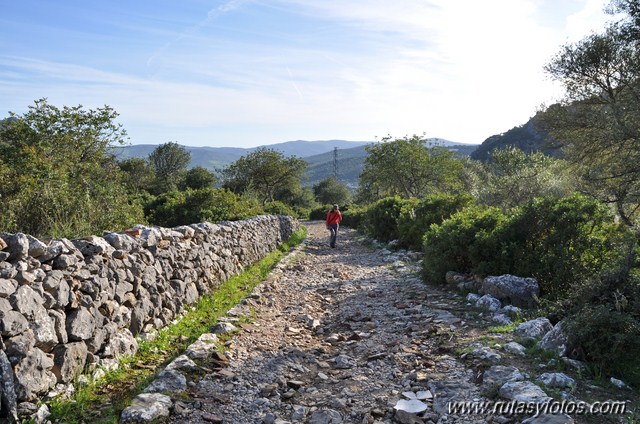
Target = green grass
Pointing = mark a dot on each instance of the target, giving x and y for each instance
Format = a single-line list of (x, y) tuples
[(102, 401)]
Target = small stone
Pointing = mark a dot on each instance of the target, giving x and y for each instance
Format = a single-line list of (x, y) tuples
[(413, 406), (515, 349), (424, 395), (557, 379), (325, 416), (211, 418), (619, 383), (224, 328), (295, 384), (299, 413), (345, 362)]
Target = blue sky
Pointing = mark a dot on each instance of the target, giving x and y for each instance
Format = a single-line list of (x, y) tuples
[(251, 72)]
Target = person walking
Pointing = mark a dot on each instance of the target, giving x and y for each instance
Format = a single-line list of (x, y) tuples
[(333, 222)]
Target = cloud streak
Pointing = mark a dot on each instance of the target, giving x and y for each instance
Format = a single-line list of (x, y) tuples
[(454, 69)]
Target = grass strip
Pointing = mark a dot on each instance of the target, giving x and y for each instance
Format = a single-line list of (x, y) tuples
[(103, 401)]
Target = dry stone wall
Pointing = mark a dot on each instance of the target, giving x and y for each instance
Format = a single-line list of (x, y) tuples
[(67, 305)]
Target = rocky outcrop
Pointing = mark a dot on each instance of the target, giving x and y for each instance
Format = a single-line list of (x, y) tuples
[(518, 291), (69, 305)]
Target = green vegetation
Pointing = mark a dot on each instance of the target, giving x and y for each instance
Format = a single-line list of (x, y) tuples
[(267, 174), (102, 401), (331, 191), (408, 167), (57, 177)]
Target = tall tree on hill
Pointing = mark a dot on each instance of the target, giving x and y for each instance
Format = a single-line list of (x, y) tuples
[(599, 121), (170, 161), (408, 167), (266, 172), (331, 191)]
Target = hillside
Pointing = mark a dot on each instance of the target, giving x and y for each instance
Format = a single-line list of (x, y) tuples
[(215, 158), (528, 138), (319, 155)]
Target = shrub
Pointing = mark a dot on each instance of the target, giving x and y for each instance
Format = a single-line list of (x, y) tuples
[(558, 241), (278, 208), (464, 242), (381, 218), (415, 219), (188, 207), (320, 213), (354, 216), (562, 242)]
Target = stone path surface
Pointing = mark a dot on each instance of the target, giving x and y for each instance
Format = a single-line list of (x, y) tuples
[(345, 335)]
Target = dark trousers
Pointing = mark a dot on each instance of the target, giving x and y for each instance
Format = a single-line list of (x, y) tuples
[(334, 234)]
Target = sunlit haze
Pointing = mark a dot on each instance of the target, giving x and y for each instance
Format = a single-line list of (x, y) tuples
[(245, 73)]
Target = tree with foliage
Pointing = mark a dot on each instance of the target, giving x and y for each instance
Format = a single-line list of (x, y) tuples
[(408, 167), (265, 172), (331, 191), (58, 176), (199, 177), (598, 124), (514, 177), (139, 175), (169, 161)]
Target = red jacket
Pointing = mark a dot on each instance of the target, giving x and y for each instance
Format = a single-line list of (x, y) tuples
[(334, 217)]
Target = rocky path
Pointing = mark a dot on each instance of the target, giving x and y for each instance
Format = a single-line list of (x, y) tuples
[(342, 335)]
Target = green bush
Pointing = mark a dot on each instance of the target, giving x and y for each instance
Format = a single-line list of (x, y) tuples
[(354, 216), (191, 206), (278, 208), (562, 242), (381, 218), (319, 213), (464, 242), (415, 219), (603, 322), (558, 241)]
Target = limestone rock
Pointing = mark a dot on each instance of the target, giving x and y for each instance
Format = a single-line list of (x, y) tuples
[(8, 400), (202, 347), (223, 328), (17, 245), (497, 375), (26, 301), (168, 381), (80, 324), (325, 416), (534, 329), (7, 287), (146, 407), (412, 406), (557, 379), (120, 343), (515, 348), (69, 360), (36, 247), (555, 340), (518, 291), (523, 391), (32, 375), (489, 302), (12, 323)]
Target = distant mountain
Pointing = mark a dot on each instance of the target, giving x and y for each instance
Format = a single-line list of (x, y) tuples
[(528, 137), (319, 155), (218, 157)]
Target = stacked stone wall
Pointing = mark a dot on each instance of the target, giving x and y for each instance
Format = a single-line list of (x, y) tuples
[(69, 305)]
